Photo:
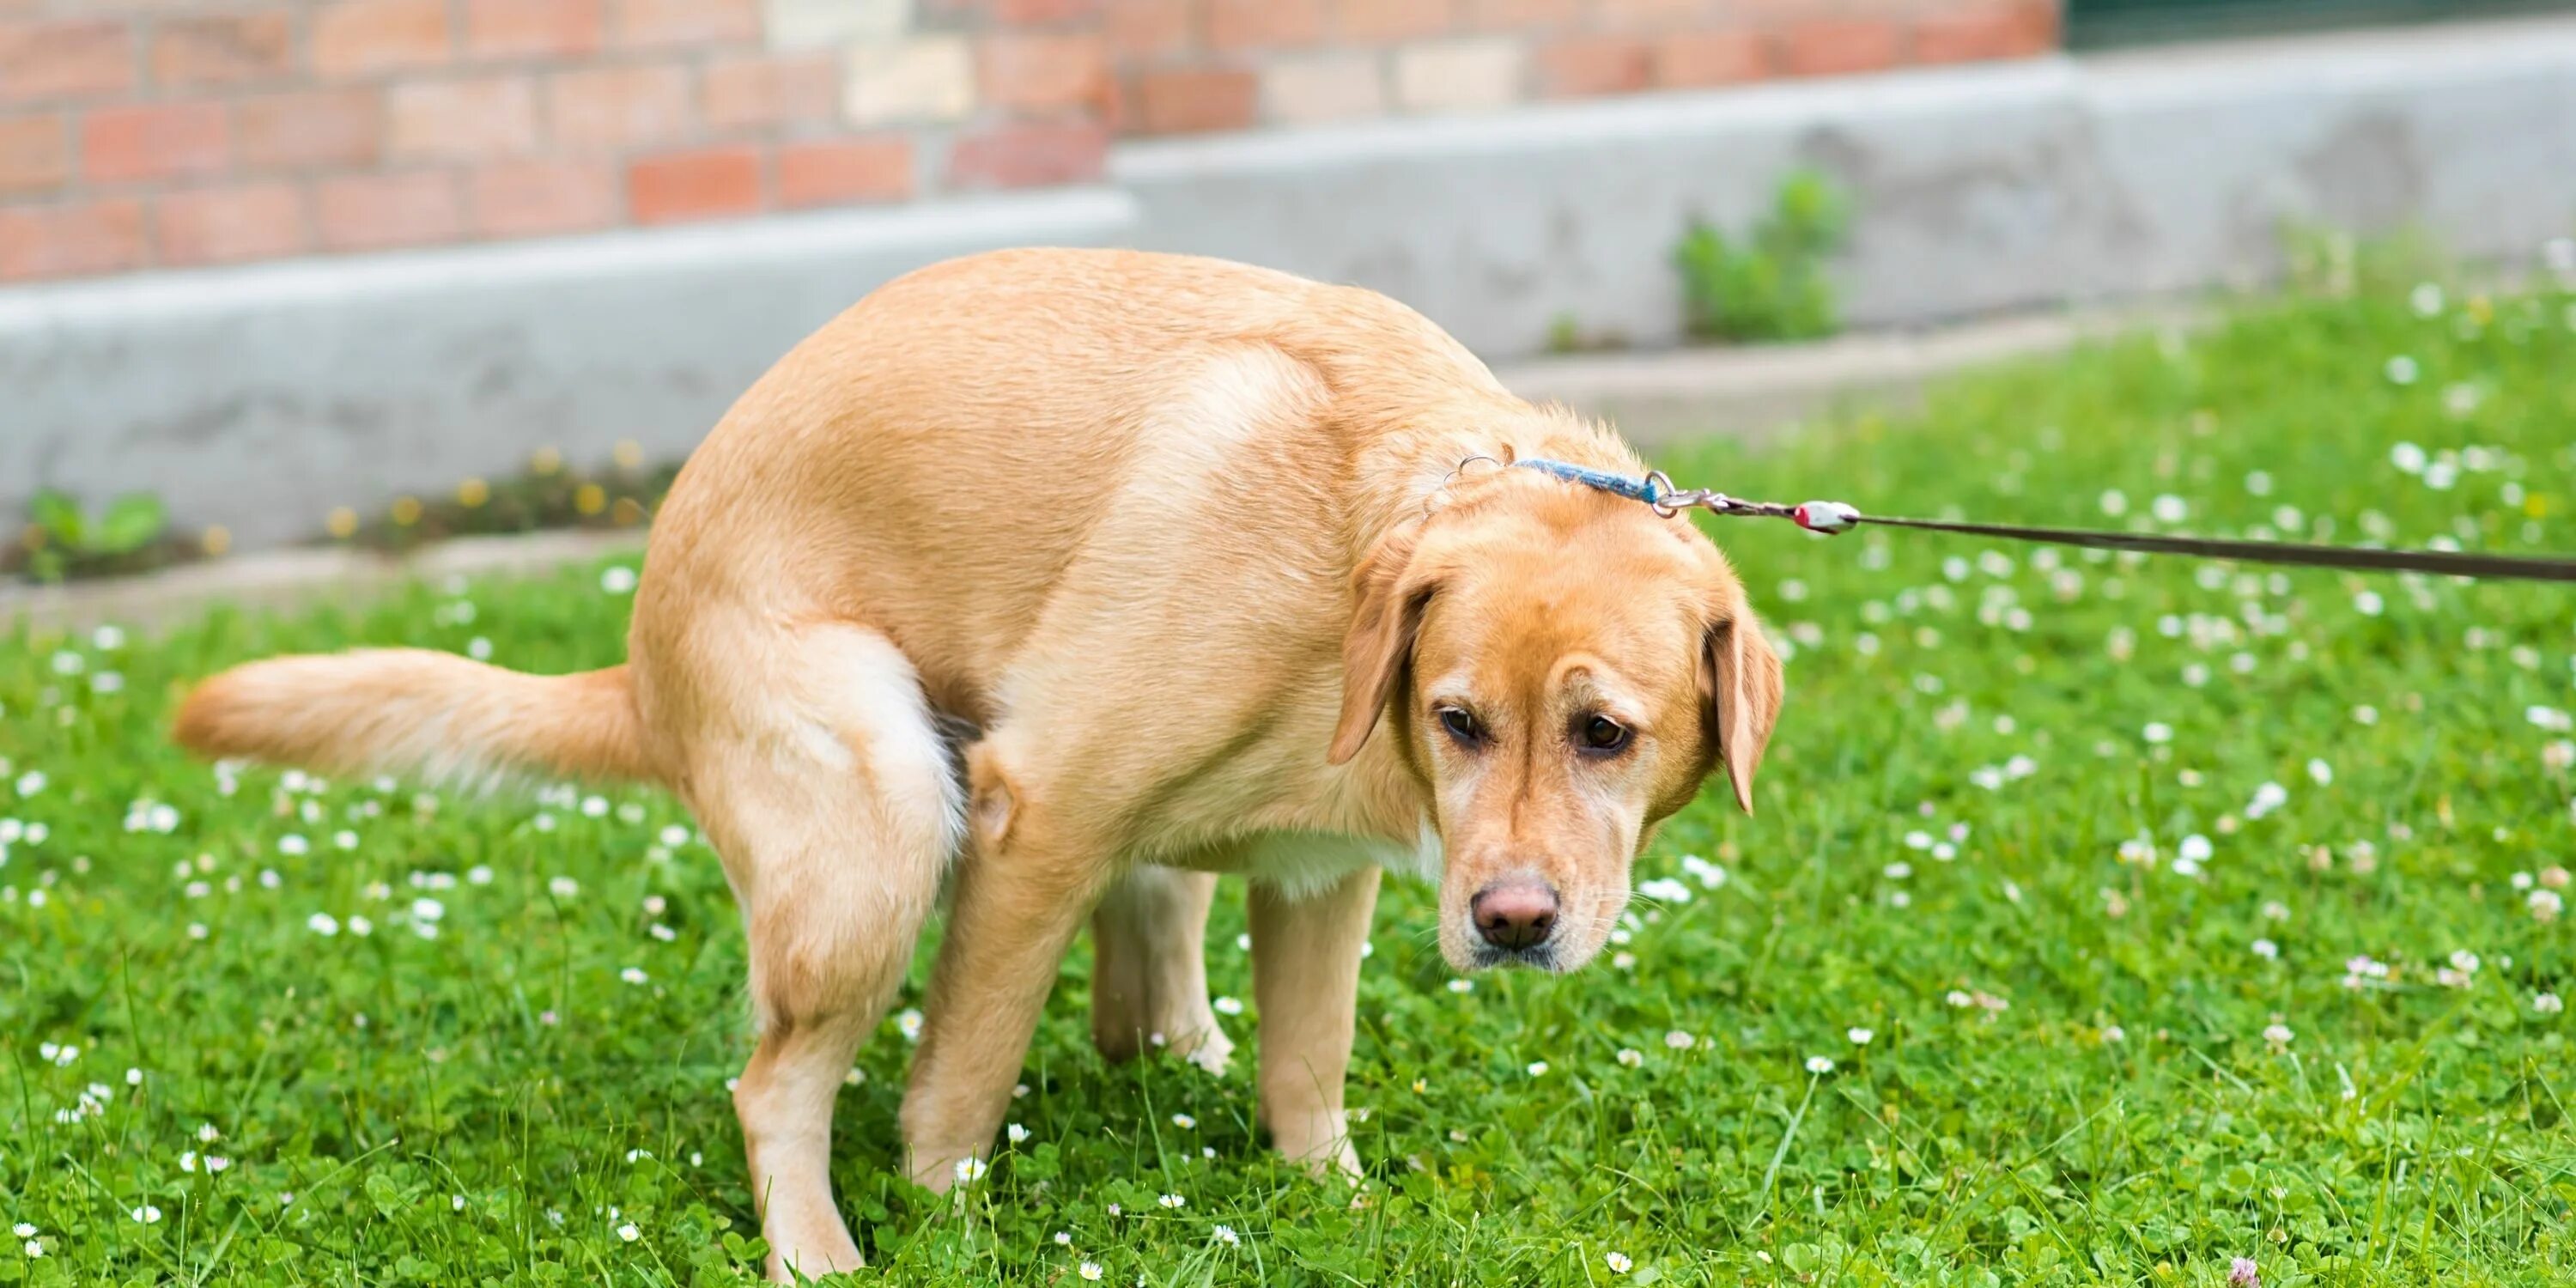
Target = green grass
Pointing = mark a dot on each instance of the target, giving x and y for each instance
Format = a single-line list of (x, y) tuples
[(493, 1103)]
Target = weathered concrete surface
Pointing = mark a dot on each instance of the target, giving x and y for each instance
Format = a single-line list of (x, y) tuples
[(259, 398), (2055, 181), (1654, 397)]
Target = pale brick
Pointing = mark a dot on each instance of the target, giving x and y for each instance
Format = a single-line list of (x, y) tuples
[(620, 107), (1459, 75), (822, 24), (35, 154), (226, 225), (926, 78), (490, 116), (1324, 87)]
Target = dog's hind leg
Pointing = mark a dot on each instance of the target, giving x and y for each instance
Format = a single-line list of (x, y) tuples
[(1149, 968), (831, 797)]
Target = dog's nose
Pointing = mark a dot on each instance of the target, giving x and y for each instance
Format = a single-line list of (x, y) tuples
[(1515, 915)]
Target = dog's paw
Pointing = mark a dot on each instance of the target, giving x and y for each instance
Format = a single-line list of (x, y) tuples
[(1211, 1050)]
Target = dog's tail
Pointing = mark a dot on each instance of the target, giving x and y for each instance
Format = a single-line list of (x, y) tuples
[(429, 716)]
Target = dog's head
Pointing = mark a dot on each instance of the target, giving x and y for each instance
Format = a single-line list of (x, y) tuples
[(1562, 668)]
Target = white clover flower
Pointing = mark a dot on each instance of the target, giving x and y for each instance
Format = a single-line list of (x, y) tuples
[(2320, 772), (2547, 1004), (908, 1023), (617, 579), (2368, 603), (633, 975), (1679, 1040), (1225, 1234), (2114, 1033), (1227, 1006), (147, 1215), (629, 1233), (2402, 370), (1538, 1068), (2267, 950), (2157, 732), (1185, 1122), (1859, 1036), (1819, 1065), (2545, 905), (427, 909), (2277, 1034), (1617, 1261), (323, 923), (1017, 1134), (563, 887), (1665, 890), (1631, 1057)]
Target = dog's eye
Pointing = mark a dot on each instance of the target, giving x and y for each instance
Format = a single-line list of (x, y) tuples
[(1462, 725), (1602, 736)]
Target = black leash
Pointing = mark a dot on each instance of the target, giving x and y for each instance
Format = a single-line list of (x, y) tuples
[(1831, 517)]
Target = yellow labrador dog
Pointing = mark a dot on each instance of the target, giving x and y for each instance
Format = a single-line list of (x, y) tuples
[(1065, 580)]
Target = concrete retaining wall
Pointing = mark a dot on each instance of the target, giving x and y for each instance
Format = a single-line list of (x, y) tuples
[(261, 397)]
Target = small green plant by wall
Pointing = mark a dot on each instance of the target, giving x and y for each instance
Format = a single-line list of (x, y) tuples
[(1771, 284)]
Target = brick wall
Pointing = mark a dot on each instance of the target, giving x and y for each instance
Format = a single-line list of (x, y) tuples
[(177, 133)]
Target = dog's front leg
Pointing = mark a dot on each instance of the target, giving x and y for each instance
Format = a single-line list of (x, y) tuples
[(1306, 978)]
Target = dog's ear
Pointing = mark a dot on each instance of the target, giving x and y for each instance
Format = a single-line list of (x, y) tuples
[(1742, 677), (1391, 593)]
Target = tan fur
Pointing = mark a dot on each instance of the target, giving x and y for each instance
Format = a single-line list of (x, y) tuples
[(1199, 553)]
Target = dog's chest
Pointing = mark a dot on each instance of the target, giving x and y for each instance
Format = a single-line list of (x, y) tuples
[(1304, 863)]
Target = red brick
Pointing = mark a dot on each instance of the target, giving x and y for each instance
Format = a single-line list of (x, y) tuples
[(762, 91), (71, 59), (658, 23), (1190, 101), (378, 211), (1968, 35), (1585, 66), (226, 225), (1839, 46), (310, 128), (620, 107), (1660, 15), (1263, 24), (842, 171), (1029, 154), (154, 141), (1393, 20), (1690, 59), (35, 154), (538, 198), (708, 184), (1522, 15), (1038, 72), (68, 241), (533, 28), (461, 120), (368, 37), (1148, 28), (1040, 13), (223, 49)]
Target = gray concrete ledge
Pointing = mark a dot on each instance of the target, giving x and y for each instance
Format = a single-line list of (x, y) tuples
[(261, 397), (1655, 398), (2057, 181)]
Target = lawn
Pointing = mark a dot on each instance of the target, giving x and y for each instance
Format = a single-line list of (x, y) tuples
[(2106, 921)]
